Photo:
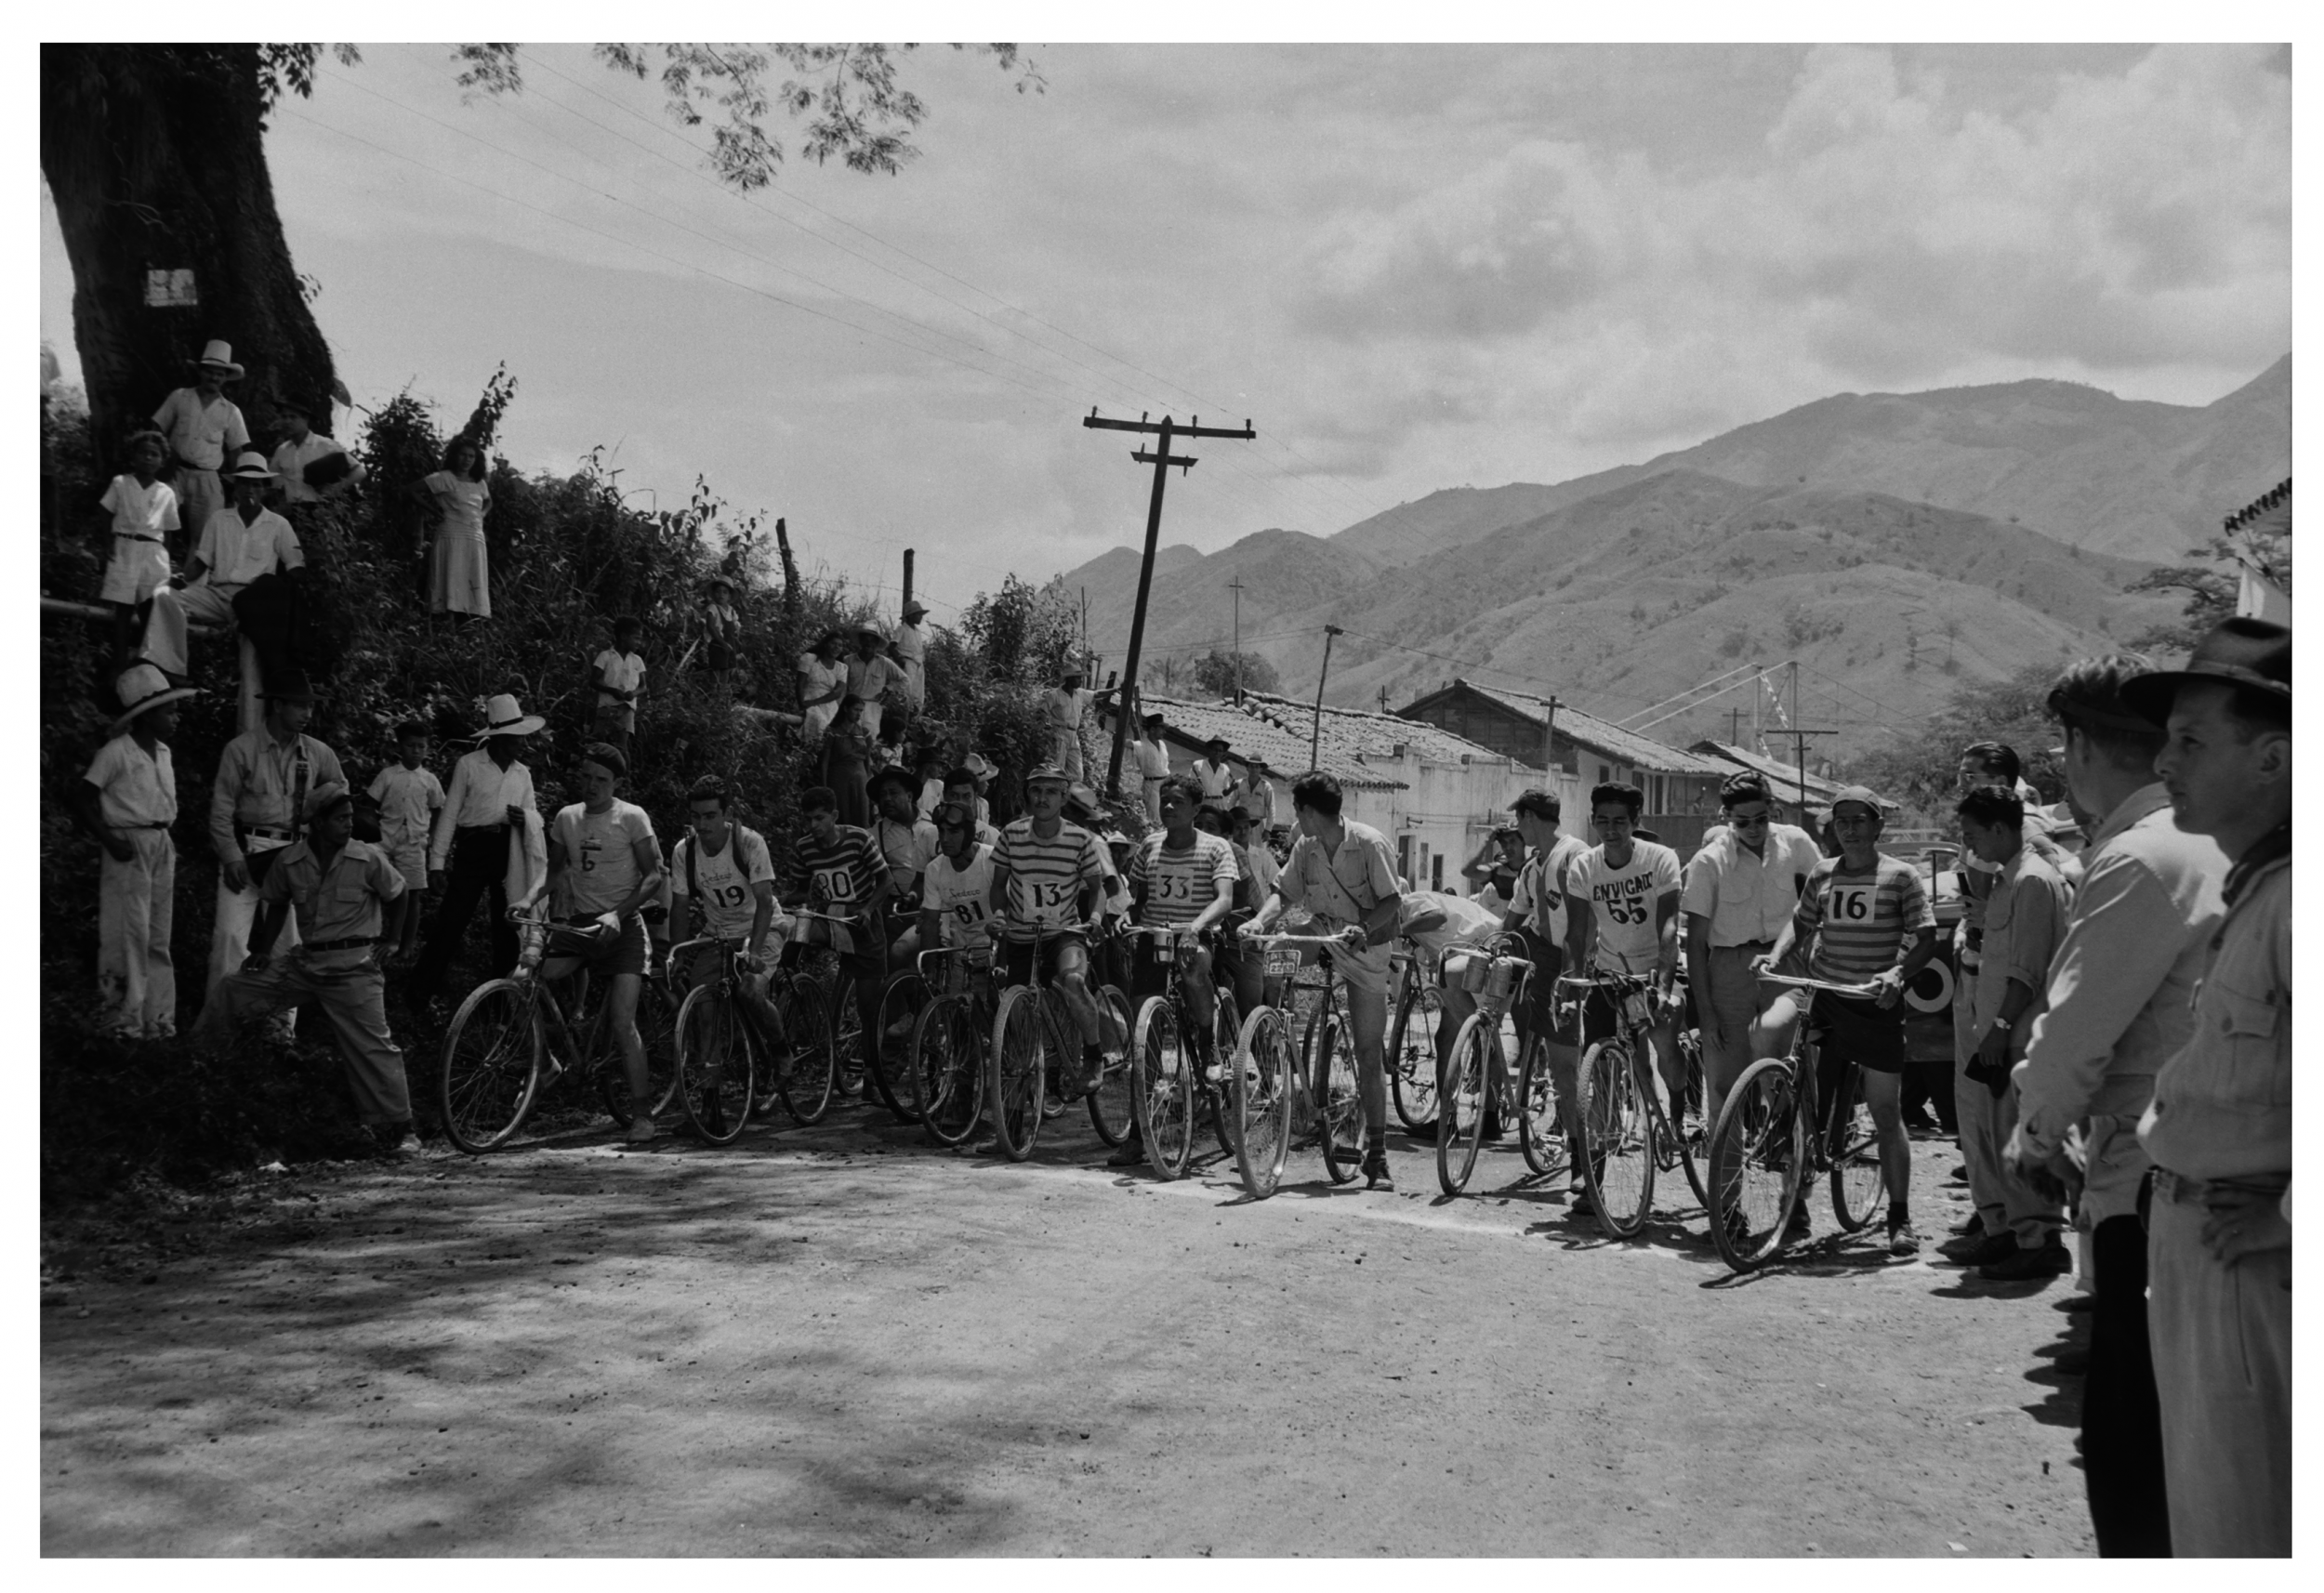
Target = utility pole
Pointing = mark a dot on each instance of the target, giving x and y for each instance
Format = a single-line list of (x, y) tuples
[(907, 579), (1316, 736), (1161, 459), (1236, 586), (1734, 727), (1549, 742)]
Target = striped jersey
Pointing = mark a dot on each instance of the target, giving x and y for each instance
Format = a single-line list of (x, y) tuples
[(961, 896), (840, 875), (1862, 922), (1179, 886), (1045, 876)]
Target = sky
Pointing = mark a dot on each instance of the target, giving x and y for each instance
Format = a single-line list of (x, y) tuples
[(1409, 267)]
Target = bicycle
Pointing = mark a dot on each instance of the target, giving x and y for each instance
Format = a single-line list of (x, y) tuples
[(1495, 974), (815, 1037), (1032, 1025), (901, 1000), (1269, 1073), (947, 1072), (718, 1040), (1170, 1092), (1627, 1135), (509, 1040), (1412, 1062), (1770, 1139)]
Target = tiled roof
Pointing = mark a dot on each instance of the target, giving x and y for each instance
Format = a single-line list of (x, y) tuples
[(1784, 777), (1250, 734), (1628, 746), (1362, 732)]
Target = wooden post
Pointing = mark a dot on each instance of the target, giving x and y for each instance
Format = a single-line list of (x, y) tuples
[(907, 579)]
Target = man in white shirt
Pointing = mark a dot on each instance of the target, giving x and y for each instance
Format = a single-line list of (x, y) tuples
[(1153, 765), (872, 677), (907, 845), (912, 650), (1741, 888), (603, 865), (1221, 787), (1066, 704), (301, 446), (226, 582), (468, 856), (1623, 908), (205, 429), (257, 803)]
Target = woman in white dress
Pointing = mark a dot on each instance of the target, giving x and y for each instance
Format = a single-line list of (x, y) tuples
[(460, 582), (821, 683)]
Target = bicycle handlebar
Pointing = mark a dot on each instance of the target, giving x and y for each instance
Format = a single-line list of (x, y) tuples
[(1854, 992), (1339, 941)]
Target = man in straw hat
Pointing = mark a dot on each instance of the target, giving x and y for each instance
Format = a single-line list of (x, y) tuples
[(872, 676), (256, 802), (911, 646), (128, 800), (2219, 1127), (203, 428), (332, 888), (239, 574), (1066, 706), (489, 819)]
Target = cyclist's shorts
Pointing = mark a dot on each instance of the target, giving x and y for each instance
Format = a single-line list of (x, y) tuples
[(1016, 958), (1366, 972), (1860, 1031), (701, 965), (624, 954), (1600, 1016)]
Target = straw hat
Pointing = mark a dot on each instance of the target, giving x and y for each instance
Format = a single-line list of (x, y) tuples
[(219, 355), (503, 717), (142, 688), (250, 465)]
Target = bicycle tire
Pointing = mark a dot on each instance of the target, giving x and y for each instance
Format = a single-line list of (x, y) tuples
[(656, 1017), (901, 1001), (1857, 1190), (1017, 1057), (1412, 1063), (847, 1037), (1259, 1081), (1162, 1088), (805, 1087), (1307, 1087), (1339, 1102), (1757, 1149), (946, 1100), (1617, 1163), (1692, 1135), (1540, 1131), (1113, 1105), (1226, 1039), (714, 1074), (492, 1065), (1460, 1106)]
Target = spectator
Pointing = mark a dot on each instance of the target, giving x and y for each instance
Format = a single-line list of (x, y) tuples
[(928, 765), (721, 628), (204, 429), (911, 650), (137, 565), (264, 780), (332, 888), (488, 819), (1492, 872), (1066, 706), (822, 684), (907, 845), (962, 786), (460, 577), (848, 753), (242, 573), (617, 673), (128, 800), (1258, 796), (871, 676), (313, 467), (409, 797), (605, 865), (1154, 766), (2024, 918), (2118, 1008), (2219, 1128), (1221, 787)]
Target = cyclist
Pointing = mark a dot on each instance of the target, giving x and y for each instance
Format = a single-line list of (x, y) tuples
[(1623, 895), (907, 845), (604, 863), (1436, 921), (956, 890), (1183, 879), (961, 787), (1870, 924), (1538, 912), (1048, 873), (724, 873), (1345, 874), (837, 870)]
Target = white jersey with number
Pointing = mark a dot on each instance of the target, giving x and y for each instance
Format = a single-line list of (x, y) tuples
[(962, 897), (725, 879), (1622, 902)]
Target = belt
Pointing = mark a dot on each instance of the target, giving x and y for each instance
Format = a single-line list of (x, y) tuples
[(347, 944), (270, 832), (139, 536), (2181, 1190), (156, 824)]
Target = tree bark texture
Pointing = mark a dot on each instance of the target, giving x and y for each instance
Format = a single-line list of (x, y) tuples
[(156, 157)]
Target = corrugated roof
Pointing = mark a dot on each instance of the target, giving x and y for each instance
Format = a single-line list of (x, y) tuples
[(1784, 777), (1628, 746), (1364, 732), (1252, 734)]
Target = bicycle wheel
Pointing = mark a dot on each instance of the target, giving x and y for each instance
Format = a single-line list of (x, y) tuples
[(1307, 1087), (1162, 1088), (890, 1048), (947, 1071), (1460, 1106), (1757, 1149), (1259, 1081), (1226, 1038), (1113, 1105), (804, 1086), (1616, 1138), (1412, 1056), (714, 1065), (847, 1037), (1687, 1128), (657, 1017), (1857, 1190), (1340, 1101), (1018, 1055), (491, 1056), (1540, 1134)]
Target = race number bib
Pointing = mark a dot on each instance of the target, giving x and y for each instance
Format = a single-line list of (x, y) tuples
[(1173, 888), (1850, 903), (970, 912), (1045, 898), (834, 885), (729, 896)]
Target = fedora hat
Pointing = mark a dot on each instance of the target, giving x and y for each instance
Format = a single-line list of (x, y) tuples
[(890, 775), (142, 687), (2251, 654), (979, 765), (219, 354), (290, 685), (868, 629), (503, 717), (250, 465)]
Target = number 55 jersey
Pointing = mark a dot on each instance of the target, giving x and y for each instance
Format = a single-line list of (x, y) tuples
[(1861, 921), (1622, 901)]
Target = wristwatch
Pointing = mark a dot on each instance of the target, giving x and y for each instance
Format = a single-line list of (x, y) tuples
[(2001, 1023)]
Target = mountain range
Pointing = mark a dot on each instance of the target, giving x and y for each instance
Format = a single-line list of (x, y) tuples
[(1895, 545)]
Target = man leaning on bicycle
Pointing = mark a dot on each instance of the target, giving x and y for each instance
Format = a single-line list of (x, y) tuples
[(723, 871), (845, 884)]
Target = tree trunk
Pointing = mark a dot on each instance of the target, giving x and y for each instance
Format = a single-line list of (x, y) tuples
[(156, 157)]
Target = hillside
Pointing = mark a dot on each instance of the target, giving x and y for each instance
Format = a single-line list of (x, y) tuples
[(1191, 611)]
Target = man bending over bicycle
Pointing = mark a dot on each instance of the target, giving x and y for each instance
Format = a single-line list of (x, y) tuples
[(725, 872), (955, 894), (1182, 879), (603, 864), (1344, 872), (840, 873), (1048, 875), (1870, 924), (1623, 894)]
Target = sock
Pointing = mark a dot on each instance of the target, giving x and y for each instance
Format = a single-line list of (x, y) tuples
[(1375, 1138), (1898, 1216)]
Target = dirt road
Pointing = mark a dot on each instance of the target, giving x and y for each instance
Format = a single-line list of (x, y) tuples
[(835, 1341)]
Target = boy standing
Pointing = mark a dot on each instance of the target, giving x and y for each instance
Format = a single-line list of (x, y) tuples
[(128, 800), (604, 864), (303, 446), (1622, 916), (618, 674), (144, 510), (409, 797)]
